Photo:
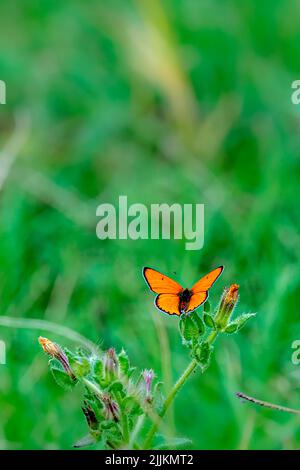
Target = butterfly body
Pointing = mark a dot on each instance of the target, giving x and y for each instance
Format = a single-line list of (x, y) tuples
[(184, 297), (172, 298)]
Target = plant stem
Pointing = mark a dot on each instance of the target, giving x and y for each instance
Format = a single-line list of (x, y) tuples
[(136, 430), (182, 379), (92, 387), (125, 429), (267, 404), (38, 324), (213, 335)]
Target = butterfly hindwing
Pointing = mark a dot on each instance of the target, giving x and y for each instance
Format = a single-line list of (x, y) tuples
[(196, 300), (168, 303), (159, 283)]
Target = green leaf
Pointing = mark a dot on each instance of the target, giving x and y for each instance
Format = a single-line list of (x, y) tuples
[(131, 371), (98, 370), (111, 430), (124, 362), (202, 354), (116, 388), (105, 425), (60, 375), (238, 323), (80, 366), (70, 355), (231, 328), (188, 328), (199, 323), (206, 306), (209, 321), (242, 319)]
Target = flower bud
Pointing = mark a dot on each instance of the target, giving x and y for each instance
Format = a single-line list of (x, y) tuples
[(228, 302), (111, 408), (90, 416), (54, 350), (111, 364), (148, 376)]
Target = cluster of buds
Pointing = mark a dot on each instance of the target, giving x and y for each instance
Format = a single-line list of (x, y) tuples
[(55, 351)]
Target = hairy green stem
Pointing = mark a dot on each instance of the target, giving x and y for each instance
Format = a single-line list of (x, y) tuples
[(182, 379), (125, 429), (92, 387), (136, 430)]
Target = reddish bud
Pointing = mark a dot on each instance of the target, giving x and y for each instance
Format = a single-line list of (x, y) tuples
[(55, 351), (111, 363), (228, 302), (111, 408), (148, 376)]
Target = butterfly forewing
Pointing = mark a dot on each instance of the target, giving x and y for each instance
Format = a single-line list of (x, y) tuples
[(161, 284), (207, 281)]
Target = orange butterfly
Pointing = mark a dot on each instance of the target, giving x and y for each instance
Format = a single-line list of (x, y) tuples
[(172, 298)]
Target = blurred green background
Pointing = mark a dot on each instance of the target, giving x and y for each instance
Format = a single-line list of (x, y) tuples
[(163, 101)]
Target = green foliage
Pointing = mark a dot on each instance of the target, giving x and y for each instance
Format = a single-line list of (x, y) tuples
[(231, 328), (202, 353), (243, 319), (80, 366), (209, 321), (237, 324), (60, 375), (189, 329), (193, 335)]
